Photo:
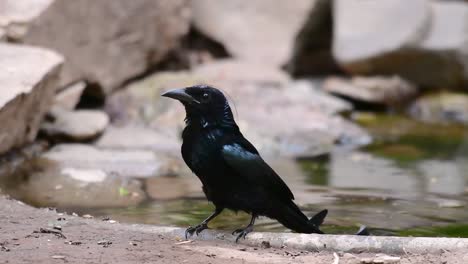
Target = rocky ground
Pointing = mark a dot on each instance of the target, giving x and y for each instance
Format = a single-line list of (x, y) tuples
[(46, 236)]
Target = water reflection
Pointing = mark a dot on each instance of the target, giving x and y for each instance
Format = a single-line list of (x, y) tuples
[(365, 171)]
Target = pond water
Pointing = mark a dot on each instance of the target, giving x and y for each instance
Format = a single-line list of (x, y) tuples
[(410, 182)]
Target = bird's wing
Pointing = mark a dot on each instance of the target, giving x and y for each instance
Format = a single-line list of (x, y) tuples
[(244, 159)]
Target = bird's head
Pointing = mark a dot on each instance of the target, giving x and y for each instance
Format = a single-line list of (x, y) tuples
[(203, 104)]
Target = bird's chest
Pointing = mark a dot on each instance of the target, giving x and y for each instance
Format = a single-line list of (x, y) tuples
[(201, 151)]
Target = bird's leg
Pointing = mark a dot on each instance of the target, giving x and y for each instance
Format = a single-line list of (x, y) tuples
[(249, 228), (203, 225)]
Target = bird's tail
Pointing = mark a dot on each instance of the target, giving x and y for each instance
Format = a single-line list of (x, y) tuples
[(291, 217)]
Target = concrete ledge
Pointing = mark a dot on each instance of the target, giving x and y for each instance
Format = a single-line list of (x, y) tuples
[(314, 242)]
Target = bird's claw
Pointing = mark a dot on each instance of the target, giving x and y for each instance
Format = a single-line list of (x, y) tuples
[(242, 232), (195, 229)]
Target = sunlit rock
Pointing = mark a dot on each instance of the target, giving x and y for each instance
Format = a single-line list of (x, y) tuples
[(28, 77)]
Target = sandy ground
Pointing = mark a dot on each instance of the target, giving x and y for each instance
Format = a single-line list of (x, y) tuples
[(33, 235)]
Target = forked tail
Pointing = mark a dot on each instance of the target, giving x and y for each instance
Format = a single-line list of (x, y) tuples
[(292, 217)]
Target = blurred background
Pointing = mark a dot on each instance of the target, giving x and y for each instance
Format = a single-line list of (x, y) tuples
[(360, 105)]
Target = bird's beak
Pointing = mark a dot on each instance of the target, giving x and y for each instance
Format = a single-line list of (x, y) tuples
[(181, 95)]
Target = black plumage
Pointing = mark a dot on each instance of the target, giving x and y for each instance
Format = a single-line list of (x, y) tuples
[(233, 174)]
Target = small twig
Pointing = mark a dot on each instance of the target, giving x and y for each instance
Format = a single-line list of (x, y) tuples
[(58, 233), (184, 242)]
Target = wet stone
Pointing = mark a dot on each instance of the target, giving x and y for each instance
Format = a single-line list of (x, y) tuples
[(51, 183)]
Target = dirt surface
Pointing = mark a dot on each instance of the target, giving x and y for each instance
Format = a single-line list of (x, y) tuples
[(45, 236)]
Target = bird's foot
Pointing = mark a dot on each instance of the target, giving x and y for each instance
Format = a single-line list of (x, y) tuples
[(195, 229), (242, 232)]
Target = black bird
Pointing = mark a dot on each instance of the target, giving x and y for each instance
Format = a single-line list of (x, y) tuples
[(233, 174)]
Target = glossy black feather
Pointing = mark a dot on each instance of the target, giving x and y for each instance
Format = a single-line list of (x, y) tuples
[(243, 158)]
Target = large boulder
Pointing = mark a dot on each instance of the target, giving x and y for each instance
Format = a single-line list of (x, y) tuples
[(104, 42), (260, 30), (29, 78), (420, 40)]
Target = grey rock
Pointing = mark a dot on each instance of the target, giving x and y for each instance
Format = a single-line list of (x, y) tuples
[(79, 125), (378, 90), (124, 163), (29, 78), (255, 30), (106, 42), (70, 96), (441, 108), (422, 41)]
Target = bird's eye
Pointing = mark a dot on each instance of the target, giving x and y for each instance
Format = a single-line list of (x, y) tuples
[(205, 97)]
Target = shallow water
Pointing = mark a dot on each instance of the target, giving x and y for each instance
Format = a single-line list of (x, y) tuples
[(410, 181)]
